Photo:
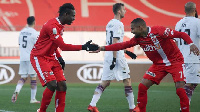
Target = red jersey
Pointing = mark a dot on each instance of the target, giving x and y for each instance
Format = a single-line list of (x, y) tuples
[(50, 39), (159, 45)]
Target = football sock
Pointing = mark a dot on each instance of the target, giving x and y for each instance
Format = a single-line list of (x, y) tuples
[(19, 85), (60, 101), (189, 90), (46, 99), (33, 89), (129, 96), (184, 101), (142, 97), (99, 90)]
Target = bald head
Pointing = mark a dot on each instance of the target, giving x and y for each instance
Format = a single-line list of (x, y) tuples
[(190, 7)]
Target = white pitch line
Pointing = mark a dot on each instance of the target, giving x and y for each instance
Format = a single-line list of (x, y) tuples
[(6, 111)]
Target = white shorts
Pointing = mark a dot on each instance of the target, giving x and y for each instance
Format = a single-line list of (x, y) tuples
[(120, 71), (192, 72), (25, 69)]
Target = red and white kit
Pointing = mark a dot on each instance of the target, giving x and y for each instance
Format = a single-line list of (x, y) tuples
[(161, 49)]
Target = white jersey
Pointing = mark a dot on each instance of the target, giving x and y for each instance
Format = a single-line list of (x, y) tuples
[(191, 26), (114, 29), (27, 38)]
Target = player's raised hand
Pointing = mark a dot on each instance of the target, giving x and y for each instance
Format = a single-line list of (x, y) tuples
[(130, 54), (90, 47), (102, 48), (194, 49)]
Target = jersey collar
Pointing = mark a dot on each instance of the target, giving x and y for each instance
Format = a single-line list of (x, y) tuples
[(58, 21)]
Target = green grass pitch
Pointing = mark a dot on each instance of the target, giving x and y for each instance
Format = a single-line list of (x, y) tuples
[(161, 98)]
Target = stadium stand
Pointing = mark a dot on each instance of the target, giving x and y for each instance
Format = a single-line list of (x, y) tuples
[(91, 15)]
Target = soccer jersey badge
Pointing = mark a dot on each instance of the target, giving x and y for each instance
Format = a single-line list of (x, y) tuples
[(54, 31)]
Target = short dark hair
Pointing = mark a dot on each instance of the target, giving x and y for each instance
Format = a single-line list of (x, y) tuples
[(190, 7), (30, 20), (139, 22), (65, 8), (117, 7)]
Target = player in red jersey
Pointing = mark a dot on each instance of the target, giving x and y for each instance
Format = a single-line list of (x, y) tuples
[(44, 57), (159, 46)]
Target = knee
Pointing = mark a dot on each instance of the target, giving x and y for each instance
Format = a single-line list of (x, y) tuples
[(22, 80), (147, 83), (62, 86), (52, 85), (107, 83), (127, 82), (180, 84)]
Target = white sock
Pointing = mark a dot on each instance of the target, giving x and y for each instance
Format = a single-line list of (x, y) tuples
[(96, 97), (33, 92), (130, 99), (33, 89), (19, 85)]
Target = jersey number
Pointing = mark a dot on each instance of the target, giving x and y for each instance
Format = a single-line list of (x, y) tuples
[(111, 36), (186, 31), (24, 42)]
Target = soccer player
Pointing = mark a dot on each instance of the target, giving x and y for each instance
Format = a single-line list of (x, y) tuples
[(190, 25), (27, 39), (44, 57), (157, 42), (115, 65)]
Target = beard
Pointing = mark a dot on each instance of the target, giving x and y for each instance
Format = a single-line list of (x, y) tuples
[(137, 36)]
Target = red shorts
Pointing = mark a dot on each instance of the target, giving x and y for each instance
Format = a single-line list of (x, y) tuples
[(157, 72), (47, 70)]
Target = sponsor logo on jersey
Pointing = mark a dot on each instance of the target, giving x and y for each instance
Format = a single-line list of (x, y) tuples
[(149, 48), (151, 73), (6, 74), (90, 73)]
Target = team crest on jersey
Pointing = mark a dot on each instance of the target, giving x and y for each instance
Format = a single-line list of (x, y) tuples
[(54, 31), (51, 73)]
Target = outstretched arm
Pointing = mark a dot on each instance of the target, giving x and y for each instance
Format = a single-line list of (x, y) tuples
[(67, 47), (119, 46), (187, 38)]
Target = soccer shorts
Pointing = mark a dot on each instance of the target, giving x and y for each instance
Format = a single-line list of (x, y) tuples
[(120, 71), (157, 72), (192, 72), (25, 69), (47, 70)]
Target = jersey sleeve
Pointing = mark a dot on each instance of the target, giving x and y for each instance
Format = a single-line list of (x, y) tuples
[(198, 28), (121, 46), (177, 29), (35, 37), (169, 33), (117, 31), (56, 37), (67, 47)]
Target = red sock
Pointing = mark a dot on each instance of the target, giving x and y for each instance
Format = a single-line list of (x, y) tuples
[(184, 101), (46, 99), (142, 97), (60, 101)]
